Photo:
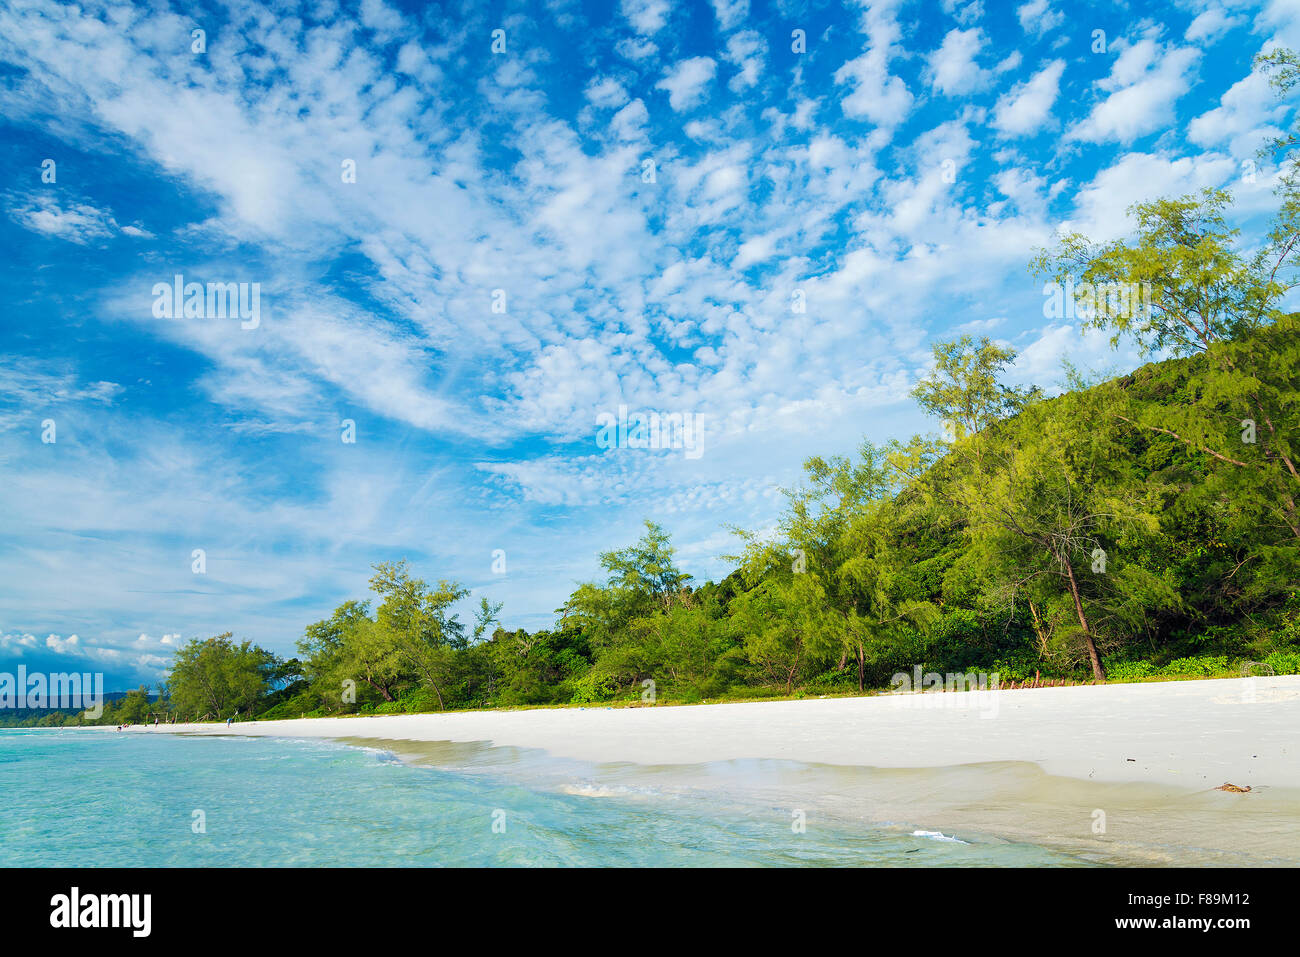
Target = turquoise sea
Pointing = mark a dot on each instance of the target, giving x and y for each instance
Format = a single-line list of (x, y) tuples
[(90, 798)]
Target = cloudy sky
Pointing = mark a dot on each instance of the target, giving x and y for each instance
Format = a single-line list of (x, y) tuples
[(469, 244)]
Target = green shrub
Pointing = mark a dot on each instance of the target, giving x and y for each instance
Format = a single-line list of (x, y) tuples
[(832, 682), (1130, 670), (593, 687), (1284, 662), (1201, 666), (418, 701)]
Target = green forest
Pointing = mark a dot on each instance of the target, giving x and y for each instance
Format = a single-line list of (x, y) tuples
[(1135, 527)]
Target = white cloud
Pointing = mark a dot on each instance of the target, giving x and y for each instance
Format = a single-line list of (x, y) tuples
[(1037, 17), (730, 13), (79, 223), (981, 326), (1101, 206), (629, 123), (1024, 188), (754, 250), (29, 387), (1143, 86), (964, 13), (1042, 360), (877, 96), (132, 662), (606, 93), (1282, 17), (1246, 118), (746, 51), (1011, 62), (687, 82), (647, 17), (952, 68), (1210, 24), (379, 16), (636, 49), (1028, 106)]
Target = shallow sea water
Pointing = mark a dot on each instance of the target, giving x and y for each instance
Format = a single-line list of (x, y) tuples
[(92, 798)]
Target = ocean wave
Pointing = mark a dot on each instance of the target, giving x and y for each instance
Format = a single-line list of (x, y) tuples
[(590, 789)]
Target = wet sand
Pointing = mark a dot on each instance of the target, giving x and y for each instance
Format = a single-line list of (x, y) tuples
[(1102, 823)]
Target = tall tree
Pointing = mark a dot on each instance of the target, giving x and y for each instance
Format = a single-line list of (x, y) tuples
[(218, 677), (645, 573), (855, 600), (415, 618), (1191, 291), (963, 388), (1051, 500)]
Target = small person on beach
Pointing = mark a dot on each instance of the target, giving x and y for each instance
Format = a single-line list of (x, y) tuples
[(228, 720)]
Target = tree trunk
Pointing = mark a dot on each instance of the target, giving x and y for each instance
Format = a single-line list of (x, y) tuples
[(1097, 670), (861, 686), (383, 691), (1039, 631)]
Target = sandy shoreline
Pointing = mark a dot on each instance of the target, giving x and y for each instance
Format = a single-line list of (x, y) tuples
[(1186, 734), (1042, 766)]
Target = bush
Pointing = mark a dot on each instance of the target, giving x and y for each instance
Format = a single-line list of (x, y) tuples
[(593, 687), (418, 700), (832, 682), (300, 705), (1201, 666), (1130, 670), (1018, 668), (1284, 662)]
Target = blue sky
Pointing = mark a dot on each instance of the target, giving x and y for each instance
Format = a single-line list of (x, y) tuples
[(622, 207)]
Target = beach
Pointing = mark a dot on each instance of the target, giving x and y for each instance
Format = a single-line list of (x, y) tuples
[(1123, 773), (1191, 734)]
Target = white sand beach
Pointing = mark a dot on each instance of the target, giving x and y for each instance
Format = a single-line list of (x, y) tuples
[(1191, 734), (1032, 764)]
